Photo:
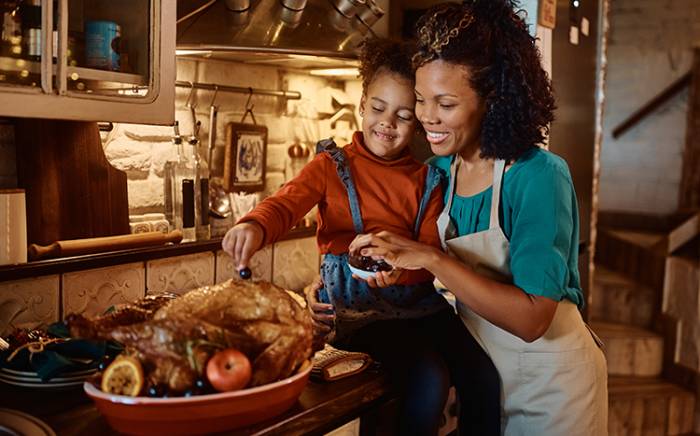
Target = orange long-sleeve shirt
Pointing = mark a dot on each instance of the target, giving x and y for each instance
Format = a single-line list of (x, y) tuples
[(389, 194)]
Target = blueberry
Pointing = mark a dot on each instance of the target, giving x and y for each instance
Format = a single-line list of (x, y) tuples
[(158, 391), (102, 365), (245, 273), (189, 393), (201, 384)]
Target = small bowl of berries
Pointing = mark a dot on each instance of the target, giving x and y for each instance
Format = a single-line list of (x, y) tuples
[(365, 267)]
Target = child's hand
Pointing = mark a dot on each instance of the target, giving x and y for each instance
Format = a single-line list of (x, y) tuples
[(242, 241), (382, 279), (322, 315)]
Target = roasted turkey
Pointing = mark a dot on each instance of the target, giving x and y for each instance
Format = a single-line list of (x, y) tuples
[(258, 318)]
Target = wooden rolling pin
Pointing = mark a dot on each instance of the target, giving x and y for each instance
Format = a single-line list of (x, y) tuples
[(76, 247)]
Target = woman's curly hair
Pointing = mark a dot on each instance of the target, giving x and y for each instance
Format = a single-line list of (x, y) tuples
[(490, 38), (388, 55)]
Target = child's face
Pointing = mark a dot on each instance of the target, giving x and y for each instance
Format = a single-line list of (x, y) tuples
[(388, 123)]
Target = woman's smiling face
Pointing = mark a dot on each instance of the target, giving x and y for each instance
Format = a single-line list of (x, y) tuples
[(388, 121), (448, 107)]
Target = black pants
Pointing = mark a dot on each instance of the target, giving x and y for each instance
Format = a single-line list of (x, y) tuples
[(423, 357)]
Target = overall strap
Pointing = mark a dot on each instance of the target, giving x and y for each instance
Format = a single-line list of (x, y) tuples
[(499, 167), (432, 181), (343, 170)]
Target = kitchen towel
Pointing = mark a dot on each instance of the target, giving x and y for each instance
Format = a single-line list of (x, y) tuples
[(330, 363), (13, 227)]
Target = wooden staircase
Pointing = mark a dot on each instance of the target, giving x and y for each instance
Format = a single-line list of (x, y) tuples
[(627, 294)]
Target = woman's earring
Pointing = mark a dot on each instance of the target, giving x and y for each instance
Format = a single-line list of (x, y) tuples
[(362, 112)]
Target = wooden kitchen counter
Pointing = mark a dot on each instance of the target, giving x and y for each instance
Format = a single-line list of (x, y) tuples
[(320, 408)]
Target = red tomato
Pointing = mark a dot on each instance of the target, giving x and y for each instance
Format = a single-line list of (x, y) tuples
[(229, 370)]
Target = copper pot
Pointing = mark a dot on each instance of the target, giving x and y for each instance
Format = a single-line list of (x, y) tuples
[(296, 151)]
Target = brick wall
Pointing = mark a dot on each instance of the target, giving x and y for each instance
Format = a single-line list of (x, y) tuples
[(141, 150), (650, 46)]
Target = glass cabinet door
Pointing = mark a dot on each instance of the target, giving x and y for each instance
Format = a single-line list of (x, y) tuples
[(97, 48), (22, 43), (107, 48)]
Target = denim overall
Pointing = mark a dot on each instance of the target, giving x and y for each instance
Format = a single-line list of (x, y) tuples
[(356, 304)]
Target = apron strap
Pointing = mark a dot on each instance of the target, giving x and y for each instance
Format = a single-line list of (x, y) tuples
[(432, 180), (451, 189), (499, 167), (343, 170), (446, 228)]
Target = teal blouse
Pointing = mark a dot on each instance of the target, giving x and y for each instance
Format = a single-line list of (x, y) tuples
[(539, 216)]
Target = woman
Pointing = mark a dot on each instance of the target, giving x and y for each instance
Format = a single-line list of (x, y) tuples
[(510, 224)]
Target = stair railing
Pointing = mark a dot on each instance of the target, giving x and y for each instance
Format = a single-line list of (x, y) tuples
[(665, 95)]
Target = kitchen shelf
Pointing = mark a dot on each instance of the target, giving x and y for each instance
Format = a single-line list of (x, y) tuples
[(107, 76), (100, 260), (18, 64)]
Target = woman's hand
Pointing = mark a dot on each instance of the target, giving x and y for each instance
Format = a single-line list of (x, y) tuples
[(398, 251), (381, 279), (322, 315), (242, 241)]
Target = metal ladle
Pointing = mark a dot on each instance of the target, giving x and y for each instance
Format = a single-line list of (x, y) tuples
[(219, 201)]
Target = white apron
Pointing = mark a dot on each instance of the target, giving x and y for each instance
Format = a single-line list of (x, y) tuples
[(556, 385)]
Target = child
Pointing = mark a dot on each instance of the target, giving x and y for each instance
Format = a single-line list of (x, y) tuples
[(373, 184)]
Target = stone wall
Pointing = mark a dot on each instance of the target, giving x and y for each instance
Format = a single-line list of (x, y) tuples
[(650, 46), (141, 150)]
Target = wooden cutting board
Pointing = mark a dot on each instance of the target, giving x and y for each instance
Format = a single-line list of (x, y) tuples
[(72, 191)]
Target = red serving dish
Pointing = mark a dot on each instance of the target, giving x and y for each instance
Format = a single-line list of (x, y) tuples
[(199, 414)]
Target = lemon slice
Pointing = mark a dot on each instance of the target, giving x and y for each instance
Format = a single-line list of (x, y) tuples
[(124, 376)]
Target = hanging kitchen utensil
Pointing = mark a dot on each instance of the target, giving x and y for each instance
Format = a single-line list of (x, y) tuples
[(213, 111), (298, 151), (191, 106), (249, 107), (220, 201)]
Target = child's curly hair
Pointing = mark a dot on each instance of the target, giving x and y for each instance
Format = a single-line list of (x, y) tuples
[(388, 55), (492, 39)]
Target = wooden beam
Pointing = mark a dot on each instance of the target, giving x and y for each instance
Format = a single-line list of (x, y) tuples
[(683, 233)]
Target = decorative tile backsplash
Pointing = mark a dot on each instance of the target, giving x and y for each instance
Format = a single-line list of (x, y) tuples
[(93, 291), (295, 263), (180, 274), (29, 303), (291, 264)]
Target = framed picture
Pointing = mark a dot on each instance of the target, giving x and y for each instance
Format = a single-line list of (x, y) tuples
[(548, 13), (245, 157)]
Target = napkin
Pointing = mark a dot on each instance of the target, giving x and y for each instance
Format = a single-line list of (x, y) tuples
[(330, 363), (58, 358)]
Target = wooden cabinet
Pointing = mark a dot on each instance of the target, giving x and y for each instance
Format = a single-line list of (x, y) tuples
[(91, 60)]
